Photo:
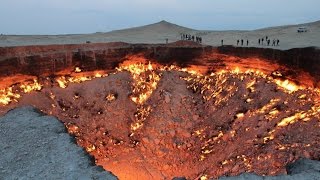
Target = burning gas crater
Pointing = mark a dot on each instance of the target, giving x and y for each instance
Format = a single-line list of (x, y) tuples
[(146, 121)]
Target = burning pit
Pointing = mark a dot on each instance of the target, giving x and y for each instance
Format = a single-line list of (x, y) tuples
[(144, 120)]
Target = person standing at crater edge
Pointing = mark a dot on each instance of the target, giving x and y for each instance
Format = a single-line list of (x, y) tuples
[(222, 42)]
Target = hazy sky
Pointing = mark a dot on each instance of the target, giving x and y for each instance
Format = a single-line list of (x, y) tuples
[(88, 16)]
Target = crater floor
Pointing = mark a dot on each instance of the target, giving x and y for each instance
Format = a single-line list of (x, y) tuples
[(165, 123)]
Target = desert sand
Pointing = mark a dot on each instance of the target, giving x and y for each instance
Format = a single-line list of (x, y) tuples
[(159, 32)]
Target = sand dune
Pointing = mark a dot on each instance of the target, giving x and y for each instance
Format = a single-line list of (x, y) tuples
[(159, 32)]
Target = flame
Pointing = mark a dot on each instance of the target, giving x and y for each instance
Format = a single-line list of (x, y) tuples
[(98, 75), (240, 115), (145, 81), (140, 116), (7, 96), (110, 97), (77, 70), (62, 82), (289, 86), (204, 177), (90, 148), (35, 86)]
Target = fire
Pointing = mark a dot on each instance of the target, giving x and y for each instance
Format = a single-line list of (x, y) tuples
[(35, 86), (215, 89), (110, 97), (64, 81), (145, 81), (7, 96), (240, 115), (289, 86), (90, 148), (77, 70), (140, 116), (289, 120), (204, 177)]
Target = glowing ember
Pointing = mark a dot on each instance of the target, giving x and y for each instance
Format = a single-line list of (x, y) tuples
[(62, 82), (7, 96), (141, 115), (35, 86), (145, 81), (77, 70), (287, 85), (110, 97)]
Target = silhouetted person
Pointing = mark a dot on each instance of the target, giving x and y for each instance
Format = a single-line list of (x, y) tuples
[(222, 42), (266, 37), (259, 41), (247, 42), (262, 41), (192, 38), (274, 42), (200, 39), (268, 42), (238, 42), (167, 40), (278, 41), (241, 42)]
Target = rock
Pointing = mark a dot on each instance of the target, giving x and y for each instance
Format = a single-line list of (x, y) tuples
[(145, 140), (172, 133), (156, 141), (185, 134), (143, 149), (301, 169), (167, 97), (179, 178), (57, 157), (195, 117), (165, 167)]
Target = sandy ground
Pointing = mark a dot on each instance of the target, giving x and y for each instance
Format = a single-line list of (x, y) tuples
[(159, 32)]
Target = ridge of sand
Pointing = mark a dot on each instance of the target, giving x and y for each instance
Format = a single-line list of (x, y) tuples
[(159, 32)]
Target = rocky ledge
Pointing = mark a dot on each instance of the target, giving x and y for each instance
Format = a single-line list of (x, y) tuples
[(36, 146)]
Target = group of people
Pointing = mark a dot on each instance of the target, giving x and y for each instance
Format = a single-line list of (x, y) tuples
[(267, 40), (190, 37), (242, 42)]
